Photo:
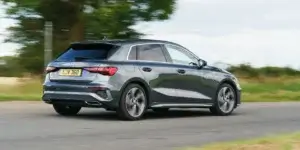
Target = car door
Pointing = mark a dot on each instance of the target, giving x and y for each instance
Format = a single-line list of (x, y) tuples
[(191, 84), (155, 69)]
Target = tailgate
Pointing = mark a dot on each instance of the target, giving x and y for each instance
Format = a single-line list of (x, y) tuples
[(73, 64)]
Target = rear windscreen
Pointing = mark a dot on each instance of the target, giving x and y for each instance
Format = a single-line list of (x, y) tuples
[(82, 52)]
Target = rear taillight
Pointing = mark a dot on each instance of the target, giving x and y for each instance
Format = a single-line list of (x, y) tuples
[(50, 69), (107, 71)]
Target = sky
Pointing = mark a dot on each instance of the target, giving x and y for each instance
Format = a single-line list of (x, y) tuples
[(259, 32), (5, 48)]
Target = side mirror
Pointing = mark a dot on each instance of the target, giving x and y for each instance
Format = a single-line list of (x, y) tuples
[(202, 63)]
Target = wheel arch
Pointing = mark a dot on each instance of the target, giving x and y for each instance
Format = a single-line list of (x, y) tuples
[(140, 82), (230, 82)]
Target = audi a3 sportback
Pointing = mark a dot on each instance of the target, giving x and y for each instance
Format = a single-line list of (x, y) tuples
[(132, 76)]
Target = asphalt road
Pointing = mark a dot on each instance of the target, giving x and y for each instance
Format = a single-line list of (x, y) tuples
[(35, 126)]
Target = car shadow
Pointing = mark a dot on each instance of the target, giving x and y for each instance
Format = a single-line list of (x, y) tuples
[(149, 115)]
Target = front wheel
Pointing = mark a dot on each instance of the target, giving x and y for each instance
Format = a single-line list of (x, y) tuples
[(66, 110), (225, 101), (133, 103)]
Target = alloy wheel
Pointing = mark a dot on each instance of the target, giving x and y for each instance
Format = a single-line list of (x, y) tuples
[(226, 99), (135, 102)]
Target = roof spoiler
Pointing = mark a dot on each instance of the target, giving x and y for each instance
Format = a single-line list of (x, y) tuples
[(95, 42), (92, 45)]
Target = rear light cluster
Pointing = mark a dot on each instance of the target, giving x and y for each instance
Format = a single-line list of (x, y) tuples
[(108, 71), (50, 69)]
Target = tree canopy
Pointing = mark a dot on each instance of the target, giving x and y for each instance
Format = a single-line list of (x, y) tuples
[(77, 20)]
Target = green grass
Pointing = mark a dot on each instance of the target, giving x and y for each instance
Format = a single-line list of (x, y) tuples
[(271, 89), (253, 90), (278, 142), (27, 90)]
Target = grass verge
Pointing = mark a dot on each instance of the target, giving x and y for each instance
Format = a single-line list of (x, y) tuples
[(25, 90), (270, 89), (279, 142), (253, 90)]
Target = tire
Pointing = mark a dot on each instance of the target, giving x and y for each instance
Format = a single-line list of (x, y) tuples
[(219, 107), (133, 98), (65, 110), (160, 110)]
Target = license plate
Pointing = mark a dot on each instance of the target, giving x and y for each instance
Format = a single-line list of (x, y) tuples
[(70, 72)]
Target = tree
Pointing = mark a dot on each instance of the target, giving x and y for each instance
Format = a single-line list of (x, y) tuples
[(77, 20), (9, 67)]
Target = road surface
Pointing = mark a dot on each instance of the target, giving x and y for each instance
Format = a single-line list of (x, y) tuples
[(35, 126)]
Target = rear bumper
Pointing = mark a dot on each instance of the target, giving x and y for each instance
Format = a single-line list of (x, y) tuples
[(83, 99), (84, 96)]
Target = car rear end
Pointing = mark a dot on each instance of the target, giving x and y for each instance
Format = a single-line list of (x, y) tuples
[(84, 75)]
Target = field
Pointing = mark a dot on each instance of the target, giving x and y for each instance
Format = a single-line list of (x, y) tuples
[(281, 142), (20, 89), (262, 89), (271, 89)]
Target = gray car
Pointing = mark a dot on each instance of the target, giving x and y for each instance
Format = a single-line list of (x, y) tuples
[(132, 76)]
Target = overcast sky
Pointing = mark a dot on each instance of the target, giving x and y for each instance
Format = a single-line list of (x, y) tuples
[(5, 48), (261, 32)]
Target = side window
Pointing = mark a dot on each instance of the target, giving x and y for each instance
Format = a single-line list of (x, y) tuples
[(132, 54), (178, 56), (151, 52)]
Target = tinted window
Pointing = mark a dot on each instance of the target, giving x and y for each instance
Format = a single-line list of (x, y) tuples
[(87, 52), (132, 55), (151, 52), (179, 56)]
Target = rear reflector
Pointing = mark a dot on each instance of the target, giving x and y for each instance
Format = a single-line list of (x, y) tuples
[(107, 71)]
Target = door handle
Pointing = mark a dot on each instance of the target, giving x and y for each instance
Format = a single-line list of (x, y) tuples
[(147, 69), (181, 71)]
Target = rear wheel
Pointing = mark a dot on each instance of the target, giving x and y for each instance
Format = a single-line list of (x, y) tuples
[(225, 101), (133, 103), (66, 110)]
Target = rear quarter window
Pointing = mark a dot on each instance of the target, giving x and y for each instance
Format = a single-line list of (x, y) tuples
[(132, 54), (151, 52)]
